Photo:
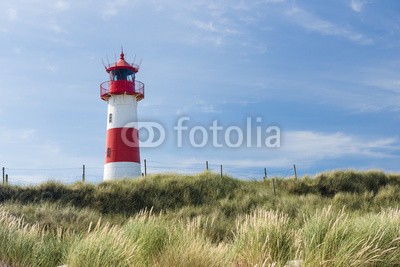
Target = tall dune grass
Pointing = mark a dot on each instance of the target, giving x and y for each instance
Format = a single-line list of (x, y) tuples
[(22, 244), (338, 239), (263, 238), (148, 240)]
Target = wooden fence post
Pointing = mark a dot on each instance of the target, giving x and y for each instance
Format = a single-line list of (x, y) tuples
[(221, 170), (273, 186), (4, 175), (295, 172), (83, 174), (6, 179), (145, 168), (265, 174), (207, 165)]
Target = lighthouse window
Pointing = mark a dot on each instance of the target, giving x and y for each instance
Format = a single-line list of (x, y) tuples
[(108, 152), (115, 75), (131, 77), (110, 118), (121, 74)]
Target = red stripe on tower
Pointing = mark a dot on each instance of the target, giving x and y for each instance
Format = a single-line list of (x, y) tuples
[(122, 145)]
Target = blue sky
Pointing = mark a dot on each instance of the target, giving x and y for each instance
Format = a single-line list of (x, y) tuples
[(325, 72)]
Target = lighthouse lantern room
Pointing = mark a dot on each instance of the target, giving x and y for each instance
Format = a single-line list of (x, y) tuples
[(122, 93)]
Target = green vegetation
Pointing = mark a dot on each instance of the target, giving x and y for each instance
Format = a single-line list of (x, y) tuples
[(340, 218)]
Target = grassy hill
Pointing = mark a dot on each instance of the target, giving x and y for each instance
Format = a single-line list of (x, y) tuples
[(340, 218)]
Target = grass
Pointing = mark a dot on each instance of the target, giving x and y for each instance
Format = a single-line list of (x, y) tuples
[(29, 245), (340, 218), (264, 237)]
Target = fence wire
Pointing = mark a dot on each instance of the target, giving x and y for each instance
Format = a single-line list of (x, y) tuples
[(94, 174)]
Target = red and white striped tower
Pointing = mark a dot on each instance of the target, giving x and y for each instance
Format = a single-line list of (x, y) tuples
[(122, 93)]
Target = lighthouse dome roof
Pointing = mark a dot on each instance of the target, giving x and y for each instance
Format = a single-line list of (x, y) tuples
[(123, 64)]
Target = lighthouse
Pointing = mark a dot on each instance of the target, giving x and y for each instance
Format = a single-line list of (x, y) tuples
[(122, 93)]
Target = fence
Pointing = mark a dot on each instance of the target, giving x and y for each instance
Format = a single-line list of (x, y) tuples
[(29, 176)]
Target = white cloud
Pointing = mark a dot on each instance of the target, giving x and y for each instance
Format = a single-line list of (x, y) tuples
[(356, 98), (254, 48), (17, 51), (314, 23), (56, 26), (12, 14), (207, 26), (317, 145), (27, 148), (218, 23), (214, 30), (47, 64), (389, 84), (16, 135), (34, 17), (361, 89), (198, 106), (225, 28), (308, 148), (62, 5), (112, 8), (27, 134), (357, 5)]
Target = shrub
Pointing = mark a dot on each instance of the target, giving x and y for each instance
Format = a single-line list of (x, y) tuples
[(388, 196), (353, 201), (330, 183)]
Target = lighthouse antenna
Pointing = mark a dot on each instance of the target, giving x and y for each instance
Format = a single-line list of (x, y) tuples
[(134, 59), (102, 61), (115, 56), (140, 62), (108, 61)]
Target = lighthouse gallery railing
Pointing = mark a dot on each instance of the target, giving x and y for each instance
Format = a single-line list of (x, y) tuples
[(123, 87)]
